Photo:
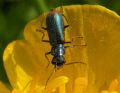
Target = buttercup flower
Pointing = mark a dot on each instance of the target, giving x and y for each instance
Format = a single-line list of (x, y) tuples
[(25, 60)]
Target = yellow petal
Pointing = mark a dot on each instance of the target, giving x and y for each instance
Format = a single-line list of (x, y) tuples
[(102, 32), (58, 83), (114, 85), (19, 64), (3, 88), (105, 91), (80, 85), (15, 91)]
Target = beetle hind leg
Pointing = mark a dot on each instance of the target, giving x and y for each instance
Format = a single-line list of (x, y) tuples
[(78, 44), (75, 63)]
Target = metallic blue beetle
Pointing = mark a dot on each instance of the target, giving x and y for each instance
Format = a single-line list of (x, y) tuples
[(55, 29)]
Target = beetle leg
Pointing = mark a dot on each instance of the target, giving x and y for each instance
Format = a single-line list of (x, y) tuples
[(67, 42), (75, 63), (66, 21), (45, 41), (65, 17), (77, 37), (66, 26), (42, 36), (38, 30), (78, 44), (67, 46), (47, 58), (44, 28)]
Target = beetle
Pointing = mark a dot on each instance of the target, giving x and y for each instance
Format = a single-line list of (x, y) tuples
[(55, 29)]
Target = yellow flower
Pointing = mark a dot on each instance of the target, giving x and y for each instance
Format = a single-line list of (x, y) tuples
[(25, 61)]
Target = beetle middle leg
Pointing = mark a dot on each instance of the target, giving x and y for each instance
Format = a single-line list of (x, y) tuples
[(70, 42), (38, 30), (70, 63), (78, 44), (42, 36), (75, 63)]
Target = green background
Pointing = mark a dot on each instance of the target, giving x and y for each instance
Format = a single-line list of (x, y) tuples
[(15, 14)]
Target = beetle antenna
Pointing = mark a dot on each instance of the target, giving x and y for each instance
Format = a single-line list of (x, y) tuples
[(50, 77)]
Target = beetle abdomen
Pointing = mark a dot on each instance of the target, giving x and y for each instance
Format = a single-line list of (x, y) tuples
[(55, 28)]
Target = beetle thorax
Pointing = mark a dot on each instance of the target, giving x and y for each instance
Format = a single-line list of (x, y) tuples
[(58, 50)]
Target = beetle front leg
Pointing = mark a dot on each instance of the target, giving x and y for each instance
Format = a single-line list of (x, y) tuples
[(47, 58)]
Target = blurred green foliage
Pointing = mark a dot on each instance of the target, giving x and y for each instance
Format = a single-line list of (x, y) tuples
[(15, 14)]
